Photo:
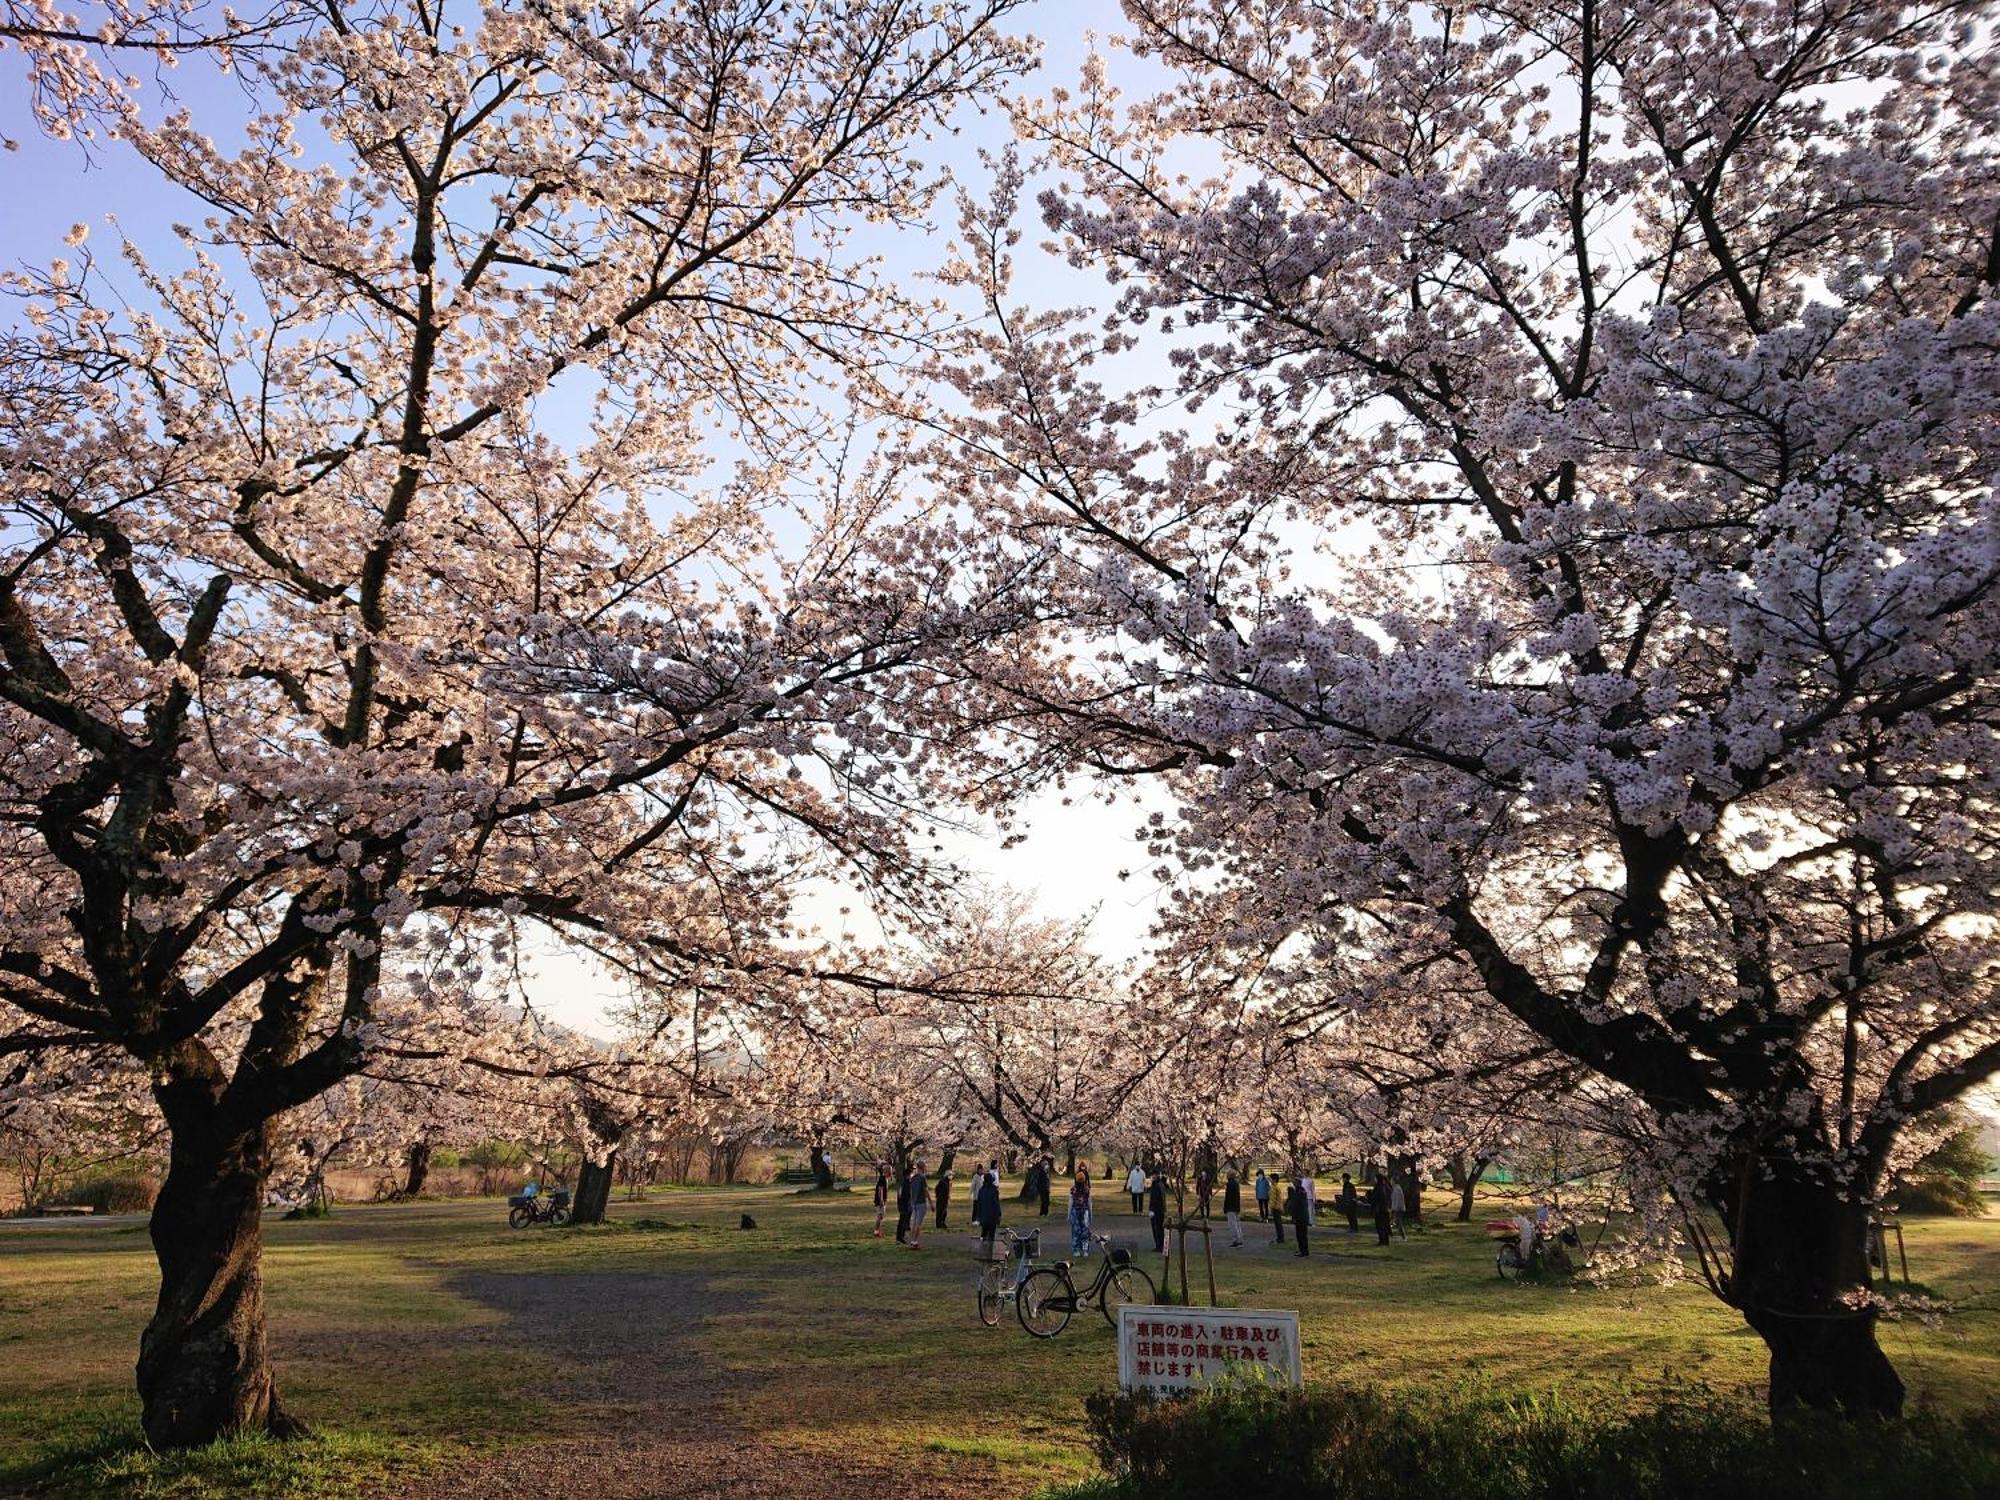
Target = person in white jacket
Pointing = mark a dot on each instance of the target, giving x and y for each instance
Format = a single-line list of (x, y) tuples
[(1135, 1184)]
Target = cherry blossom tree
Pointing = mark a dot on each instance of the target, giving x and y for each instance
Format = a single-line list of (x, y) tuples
[(1564, 542), (1036, 1032), (366, 593)]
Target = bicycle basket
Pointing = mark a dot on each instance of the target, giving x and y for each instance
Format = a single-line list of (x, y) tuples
[(1030, 1246), (561, 1199), (1121, 1256)]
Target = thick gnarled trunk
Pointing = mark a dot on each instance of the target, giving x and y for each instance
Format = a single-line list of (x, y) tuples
[(204, 1368), (1800, 1279)]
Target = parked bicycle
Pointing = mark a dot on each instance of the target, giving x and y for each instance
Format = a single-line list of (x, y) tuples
[(1000, 1279), (1547, 1252), (1048, 1297), (524, 1209)]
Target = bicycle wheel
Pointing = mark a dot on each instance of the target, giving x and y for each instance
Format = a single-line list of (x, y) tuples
[(1508, 1260), (1046, 1301), (558, 1216), (1126, 1284), (520, 1218), (989, 1296)]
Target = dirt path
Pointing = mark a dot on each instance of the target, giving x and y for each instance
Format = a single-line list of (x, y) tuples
[(655, 1421)]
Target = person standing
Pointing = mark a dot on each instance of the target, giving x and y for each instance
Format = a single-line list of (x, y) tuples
[(1378, 1204), (1232, 1210), (986, 1209), (1046, 1182), (1263, 1191), (1135, 1184), (1204, 1190), (1350, 1203), (1278, 1207), (1301, 1205), (1156, 1208), (1309, 1184), (902, 1208), (1079, 1213), (1396, 1208), (943, 1196), (881, 1196), (920, 1184)]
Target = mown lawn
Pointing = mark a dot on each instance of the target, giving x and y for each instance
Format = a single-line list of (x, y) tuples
[(812, 1340)]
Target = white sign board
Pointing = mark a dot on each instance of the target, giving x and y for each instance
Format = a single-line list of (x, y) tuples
[(1172, 1349)]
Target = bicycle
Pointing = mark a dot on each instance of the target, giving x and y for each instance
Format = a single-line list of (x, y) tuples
[(524, 1209), (1048, 1297), (1547, 1252), (1001, 1279)]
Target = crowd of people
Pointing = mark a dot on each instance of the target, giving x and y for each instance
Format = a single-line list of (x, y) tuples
[(1281, 1199)]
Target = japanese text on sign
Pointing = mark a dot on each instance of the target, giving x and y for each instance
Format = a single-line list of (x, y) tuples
[(1178, 1348)]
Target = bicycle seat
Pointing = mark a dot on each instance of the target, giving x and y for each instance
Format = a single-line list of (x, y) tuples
[(1060, 1265)]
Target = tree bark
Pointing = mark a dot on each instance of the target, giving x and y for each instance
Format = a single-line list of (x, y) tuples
[(1470, 1186), (822, 1168), (204, 1368), (1800, 1255), (418, 1161), (593, 1192)]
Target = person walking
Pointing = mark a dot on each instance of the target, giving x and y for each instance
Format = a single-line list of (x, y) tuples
[(1262, 1188), (1396, 1208), (1156, 1206), (1232, 1210), (881, 1197), (1350, 1203), (1079, 1213), (1135, 1184), (943, 1196), (920, 1186), (1300, 1203), (1378, 1204), (986, 1209)]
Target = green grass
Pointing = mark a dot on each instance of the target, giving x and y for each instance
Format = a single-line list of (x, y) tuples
[(833, 1344)]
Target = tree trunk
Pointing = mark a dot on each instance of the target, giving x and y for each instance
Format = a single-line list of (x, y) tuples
[(593, 1192), (1800, 1253), (822, 1168), (1470, 1186), (204, 1369), (418, 1159)]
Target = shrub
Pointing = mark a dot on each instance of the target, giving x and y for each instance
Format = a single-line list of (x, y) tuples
[(111, 1190), (1344, 1443), (1947, 1180)]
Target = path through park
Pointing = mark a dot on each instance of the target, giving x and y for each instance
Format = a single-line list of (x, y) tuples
[(619, 1350)]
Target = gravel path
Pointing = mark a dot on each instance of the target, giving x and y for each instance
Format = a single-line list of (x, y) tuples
[(657, 1421)]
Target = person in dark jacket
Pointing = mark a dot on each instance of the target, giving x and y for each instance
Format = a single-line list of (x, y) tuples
[(881, 1196), (1350, 1203), (920, 1191), (1043, 1183), (943, 1195), (986, 1210), (902, 1208), (1301, 1210), (1278, 1208), (1378, 1203), (1232, 1210), (1156, 1203)]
